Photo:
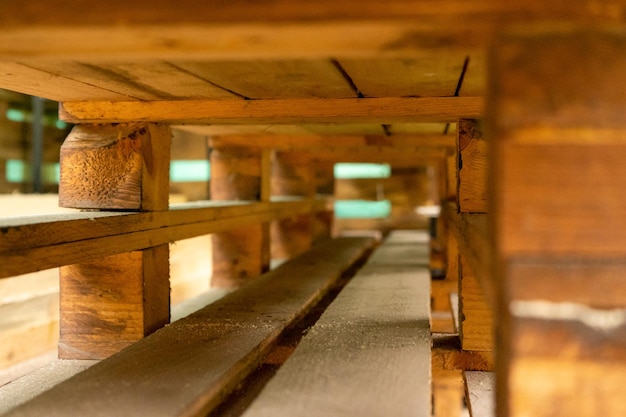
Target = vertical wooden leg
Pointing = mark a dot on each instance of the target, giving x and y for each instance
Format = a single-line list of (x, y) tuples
[(475, 316), (238, 255), (558, 206), (110, 303), (292, 176)]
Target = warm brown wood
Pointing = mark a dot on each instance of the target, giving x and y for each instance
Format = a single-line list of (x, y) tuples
[(294, 142), (238, 254), (472, 234), (36, 243), (292, 175), (472, 167), (448, 395), (116, 167), (368, 354), (448, 356), (441, 289), (480, 393), (476, 326), (553, 346), (300, 110), (187, 368), (110, 303)]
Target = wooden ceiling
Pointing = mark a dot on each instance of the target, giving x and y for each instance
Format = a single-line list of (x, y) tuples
[(276, 66)]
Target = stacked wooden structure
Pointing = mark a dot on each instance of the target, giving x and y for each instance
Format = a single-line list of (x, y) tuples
[(534, 232)]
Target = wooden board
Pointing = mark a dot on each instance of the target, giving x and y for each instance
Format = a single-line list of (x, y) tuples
[(189, 366), (274, 79), (31, 244), (387, 110), (480, 393), (369, 353), (472, 167)]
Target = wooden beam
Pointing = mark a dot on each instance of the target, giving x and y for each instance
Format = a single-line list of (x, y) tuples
[(281, 111), (306, 142), (188, 367), (33, 244), (553, 345)]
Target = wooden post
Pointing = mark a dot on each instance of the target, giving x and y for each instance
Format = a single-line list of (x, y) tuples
[(325, 186), (292, 175), (557, 206), (110, 303), (472, 167), (475, 316), (238, 254)]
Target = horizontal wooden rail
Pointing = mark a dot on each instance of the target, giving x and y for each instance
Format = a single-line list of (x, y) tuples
[(188, 367), (472, 234), (40, 242)]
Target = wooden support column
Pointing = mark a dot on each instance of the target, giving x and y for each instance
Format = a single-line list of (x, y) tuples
[(558, 209), (325, 186), (475, 315), (292, 175), (110, 303), (239, 254)]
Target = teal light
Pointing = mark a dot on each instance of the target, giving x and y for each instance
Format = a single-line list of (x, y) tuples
[(16, 115), (361, 209), (357, 170), (15, 170), (190, 171)]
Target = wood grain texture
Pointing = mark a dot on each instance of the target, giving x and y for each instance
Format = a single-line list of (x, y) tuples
[(274, 79), (189, 366), (240, 254), (472, 167), (369, 353), (36, 243), (476, 326), (480, 393), (447, 355), (110, 303), (282, 111), (116, 167)]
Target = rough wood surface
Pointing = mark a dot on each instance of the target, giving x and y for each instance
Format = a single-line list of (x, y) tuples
[(107, 304), (480, 393), (472, 167), (34, 243), (448, 356), (347, 110), (369, 352), (189, 366), (116, 167), (476, 327)]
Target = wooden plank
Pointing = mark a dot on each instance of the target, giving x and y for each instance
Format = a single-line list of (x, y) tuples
[(480, 393), (430, 74), (159, 30), (368, 354), (472, 167), (295, 142), (53, 85), (228, 338), (286, 129), (38, 381), (116, 167), (86, 236), (476, 327), (276, 79), (282, 111)]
